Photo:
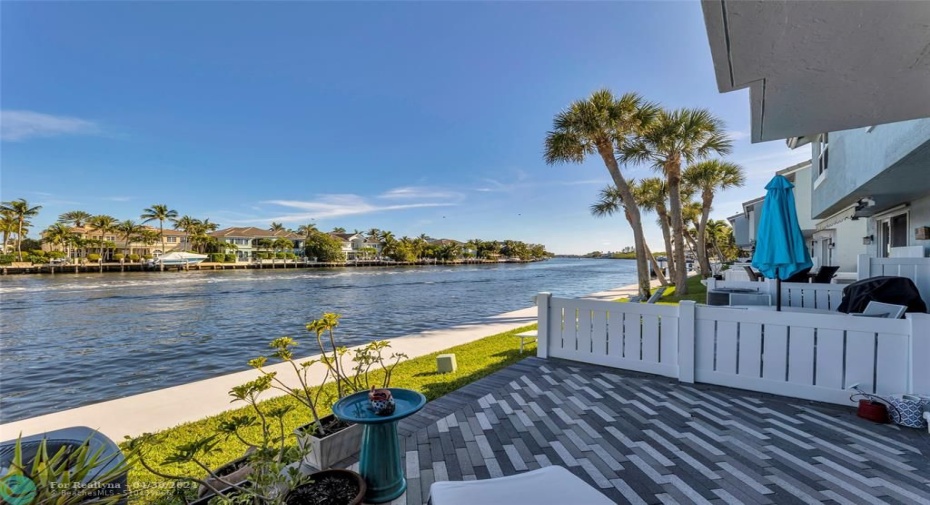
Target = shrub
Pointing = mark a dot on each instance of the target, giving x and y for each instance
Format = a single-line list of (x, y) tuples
[(6, 259), (119, 256), (231, 258), (279, 255), (93, 257), (134, 257), (217, 257), (264, 255), (148, 256), (55, 254), (290, 256), (37, 260)]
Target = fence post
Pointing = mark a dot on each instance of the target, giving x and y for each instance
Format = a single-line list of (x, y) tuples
[(863, 267), (686, 324), (918, 377), (542, 328)]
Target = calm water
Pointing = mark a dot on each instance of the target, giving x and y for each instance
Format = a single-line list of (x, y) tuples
[(69, 340)]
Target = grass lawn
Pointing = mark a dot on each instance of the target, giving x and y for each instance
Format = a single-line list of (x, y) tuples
[(475, 360), (696, 292)]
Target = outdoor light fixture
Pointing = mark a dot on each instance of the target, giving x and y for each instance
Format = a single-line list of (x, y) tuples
[(868, 239)]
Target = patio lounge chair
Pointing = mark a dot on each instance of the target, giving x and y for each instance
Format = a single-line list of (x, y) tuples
[(886, 310), (656, 295), (551, 485), (825, 275)]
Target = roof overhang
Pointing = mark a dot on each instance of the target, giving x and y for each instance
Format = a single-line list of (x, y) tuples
[(822, 66)]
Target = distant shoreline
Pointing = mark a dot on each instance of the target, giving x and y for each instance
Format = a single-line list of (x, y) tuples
[(113, 267)]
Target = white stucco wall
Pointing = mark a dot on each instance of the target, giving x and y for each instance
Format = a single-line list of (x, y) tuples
[(918, 215)]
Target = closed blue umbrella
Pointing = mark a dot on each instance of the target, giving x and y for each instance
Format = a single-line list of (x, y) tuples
[(780, 248)]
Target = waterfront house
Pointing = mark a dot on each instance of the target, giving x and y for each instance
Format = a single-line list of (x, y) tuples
[(357, 246), (249, 240), (175, 240)]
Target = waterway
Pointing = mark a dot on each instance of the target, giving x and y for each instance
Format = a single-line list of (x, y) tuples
[(68, 340)]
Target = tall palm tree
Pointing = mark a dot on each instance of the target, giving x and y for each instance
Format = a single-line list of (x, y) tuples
[(709, 176), (8, 226), (20, 210), (669, 140), (76, 218), (58, 234), (720, 237), (652, 195), (601, 125), (610, 202), (161, 213), (276, 227), (102, 224), (128, 230), (189, 225)]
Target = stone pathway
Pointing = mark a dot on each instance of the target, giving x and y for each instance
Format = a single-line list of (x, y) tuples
[(646, 439)]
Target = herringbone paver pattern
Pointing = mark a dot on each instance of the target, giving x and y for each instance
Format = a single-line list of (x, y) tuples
[(646, 439)]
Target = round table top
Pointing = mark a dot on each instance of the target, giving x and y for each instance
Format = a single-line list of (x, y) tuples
[(356, 409)]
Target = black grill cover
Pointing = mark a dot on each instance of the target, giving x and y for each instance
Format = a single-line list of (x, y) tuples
[(895, 290)]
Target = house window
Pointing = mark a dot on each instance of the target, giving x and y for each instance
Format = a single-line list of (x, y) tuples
[(172, 240), (892, 232), (823, 156)]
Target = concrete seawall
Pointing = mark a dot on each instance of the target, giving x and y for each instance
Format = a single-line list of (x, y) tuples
[(164, 408)]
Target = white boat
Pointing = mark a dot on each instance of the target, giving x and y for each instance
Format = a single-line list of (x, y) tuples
[(179, 259)]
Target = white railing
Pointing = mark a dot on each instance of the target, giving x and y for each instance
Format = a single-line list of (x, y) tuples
[(811, 356), (793, 294)]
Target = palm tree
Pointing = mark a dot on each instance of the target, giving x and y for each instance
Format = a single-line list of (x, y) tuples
[(610, 202), (670, 139), (710, 176), (601, 125), (276, 227), (58, 234), (161, 213), (102, 224), (128, 230), (720, 236), (76, 218), (189, 225), (652, 195), (20, 210), (148, 236), (8, 226)]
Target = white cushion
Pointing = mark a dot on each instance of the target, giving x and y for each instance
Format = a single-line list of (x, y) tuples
[(551, 485)]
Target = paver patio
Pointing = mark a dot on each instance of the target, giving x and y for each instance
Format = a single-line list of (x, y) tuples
[(647, 439)]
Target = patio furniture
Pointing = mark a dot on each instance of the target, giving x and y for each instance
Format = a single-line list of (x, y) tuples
[(887, 289), (824, 275), (110, 455), (380, 459), (879, 309), (753, 275), (531, 335), (550, 485), (801, 276), (656, 295), (737, 296)]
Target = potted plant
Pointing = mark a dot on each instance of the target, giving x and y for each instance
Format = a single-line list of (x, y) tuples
[(64, 474), (327, 439)]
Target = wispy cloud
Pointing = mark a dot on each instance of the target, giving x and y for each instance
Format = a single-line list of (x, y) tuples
[(328, 206), (738, 135), (496, 186), (118, 198), (20, 125), (420, 193)]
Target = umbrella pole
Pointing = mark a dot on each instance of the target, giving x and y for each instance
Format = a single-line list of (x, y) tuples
[(777, 291)]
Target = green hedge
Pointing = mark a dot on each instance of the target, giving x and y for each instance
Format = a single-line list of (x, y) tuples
[(279, 255), (93, 257), (231, 258), (6, 259), (119, 257), (134, 258), (290, 256), (217, 257)]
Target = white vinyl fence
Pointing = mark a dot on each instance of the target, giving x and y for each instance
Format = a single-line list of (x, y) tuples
[(793, 294), (803, 355), (915, 269)]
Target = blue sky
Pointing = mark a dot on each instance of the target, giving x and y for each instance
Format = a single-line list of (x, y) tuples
[(412, 117)]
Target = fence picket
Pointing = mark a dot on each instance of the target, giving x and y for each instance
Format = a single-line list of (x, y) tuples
[(829, 359), (749, 354), (801, 356)]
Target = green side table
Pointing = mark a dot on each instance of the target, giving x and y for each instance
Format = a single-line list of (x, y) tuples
[(380, 459)]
